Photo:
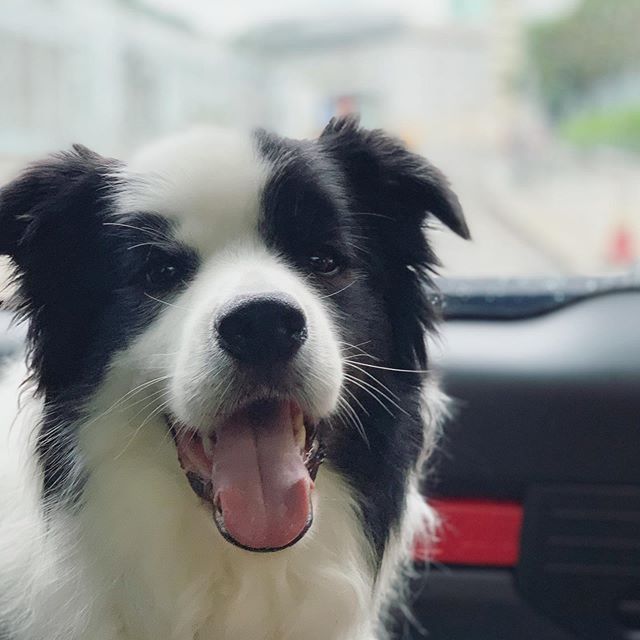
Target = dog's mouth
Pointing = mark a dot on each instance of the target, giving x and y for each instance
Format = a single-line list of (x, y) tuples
[(257, 471)]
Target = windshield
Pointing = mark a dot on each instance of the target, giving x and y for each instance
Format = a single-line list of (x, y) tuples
[(531, 107)]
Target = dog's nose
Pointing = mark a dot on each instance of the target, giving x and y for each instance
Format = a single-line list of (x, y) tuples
[(262, 330)]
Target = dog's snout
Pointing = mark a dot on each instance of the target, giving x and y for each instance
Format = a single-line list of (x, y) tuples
[(262, 330)]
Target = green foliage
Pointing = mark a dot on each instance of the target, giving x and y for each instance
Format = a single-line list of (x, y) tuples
[(571, 55), (620, 128)]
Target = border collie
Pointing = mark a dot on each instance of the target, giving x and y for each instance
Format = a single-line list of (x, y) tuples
[(225, 407)]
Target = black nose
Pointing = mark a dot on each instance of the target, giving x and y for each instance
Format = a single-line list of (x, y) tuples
[(262, 330)]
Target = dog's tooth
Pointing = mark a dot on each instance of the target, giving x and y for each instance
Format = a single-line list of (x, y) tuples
[(300, 432), (207, 444)]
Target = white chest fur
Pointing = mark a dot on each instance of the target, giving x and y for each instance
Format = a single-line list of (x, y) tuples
[(168, 574), (142, 560)]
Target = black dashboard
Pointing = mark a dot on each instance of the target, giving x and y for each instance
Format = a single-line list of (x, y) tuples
[(547, 418)]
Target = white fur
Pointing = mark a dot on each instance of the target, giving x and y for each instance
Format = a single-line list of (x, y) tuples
[(90, 574), (144, 555), (44, 593), (209, 179), (142, 559)]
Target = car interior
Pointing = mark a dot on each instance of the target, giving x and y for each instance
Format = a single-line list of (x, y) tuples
[(536, 476)]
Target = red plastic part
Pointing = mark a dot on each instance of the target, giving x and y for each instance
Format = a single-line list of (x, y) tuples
[(475, 533)]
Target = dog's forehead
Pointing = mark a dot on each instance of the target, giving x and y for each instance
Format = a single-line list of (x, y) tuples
[(208, 181)]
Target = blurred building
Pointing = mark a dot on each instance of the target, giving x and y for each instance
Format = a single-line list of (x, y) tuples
[(113, 73), (109, 73), (428, 83), (448, 76)]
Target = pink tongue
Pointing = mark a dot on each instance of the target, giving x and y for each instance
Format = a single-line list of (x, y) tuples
[(259, 477)]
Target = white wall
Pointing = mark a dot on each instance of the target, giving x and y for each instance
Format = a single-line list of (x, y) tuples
[(102, 74)]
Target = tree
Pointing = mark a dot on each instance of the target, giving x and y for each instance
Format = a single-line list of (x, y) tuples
[(573, 54)]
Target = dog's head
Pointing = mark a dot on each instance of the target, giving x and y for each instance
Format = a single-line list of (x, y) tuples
[(257, 284)]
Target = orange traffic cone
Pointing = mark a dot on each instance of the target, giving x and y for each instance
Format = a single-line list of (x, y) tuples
[(622, 246)]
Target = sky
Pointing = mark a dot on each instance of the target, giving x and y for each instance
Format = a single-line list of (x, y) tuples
[(228, 19)]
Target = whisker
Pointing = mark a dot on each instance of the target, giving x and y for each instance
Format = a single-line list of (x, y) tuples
[(129, 394), (372, 215), (355, 399), (351, 415), (391, 395), (357, 347), (152, 232), (355, 420), (154, 398), (356, 247), (372, 391), (356, 382), (152, 414), (373, 366), (372, 377), (149, 244), (169, 304), (150, 395), (335, 293), (158, 355)]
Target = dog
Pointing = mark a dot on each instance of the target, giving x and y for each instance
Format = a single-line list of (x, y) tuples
[(220, 427)]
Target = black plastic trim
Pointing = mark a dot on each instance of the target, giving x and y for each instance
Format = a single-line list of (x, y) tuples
[(548, 399), (471, 604), (505, 299)]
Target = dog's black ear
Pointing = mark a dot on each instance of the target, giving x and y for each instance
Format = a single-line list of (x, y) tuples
[(41, 196), (386, 178), (43, 193), (392, 193), (51, 225)]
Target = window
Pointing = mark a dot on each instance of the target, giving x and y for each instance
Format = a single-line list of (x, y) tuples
[(532, 107)]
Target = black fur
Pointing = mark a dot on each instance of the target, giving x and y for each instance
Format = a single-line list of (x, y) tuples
[(365, 196), (80, 287)]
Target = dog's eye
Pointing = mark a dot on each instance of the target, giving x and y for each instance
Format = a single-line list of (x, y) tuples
[(162, 272), (325, 263)]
